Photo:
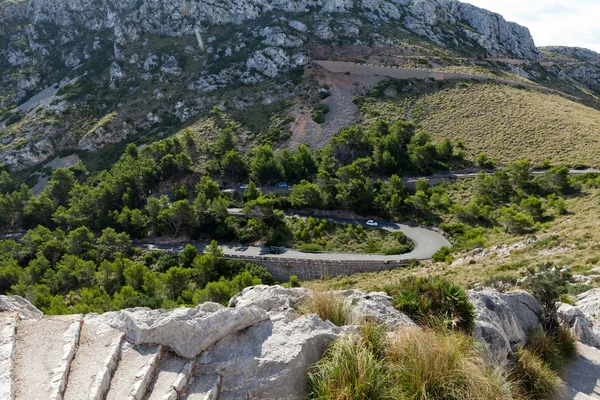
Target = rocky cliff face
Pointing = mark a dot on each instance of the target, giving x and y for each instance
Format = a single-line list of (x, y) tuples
[(131, 18), (68, 64), (574, 64)]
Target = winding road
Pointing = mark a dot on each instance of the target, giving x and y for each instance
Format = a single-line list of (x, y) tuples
[(427, 243)]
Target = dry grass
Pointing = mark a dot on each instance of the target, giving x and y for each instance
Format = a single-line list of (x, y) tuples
[(505, 122), (536, 380), (328, 307), (480, 71), (440, 365), (414, 364)]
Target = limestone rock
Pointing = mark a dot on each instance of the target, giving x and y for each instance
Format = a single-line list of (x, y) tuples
[(19, 305), (185, 331), (270, 298), (376, 306), (589, 303), (504, 319), (271, 359), (585, 330)]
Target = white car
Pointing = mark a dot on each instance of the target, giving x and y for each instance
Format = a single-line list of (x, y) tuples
[(371, 223), (244, 187)]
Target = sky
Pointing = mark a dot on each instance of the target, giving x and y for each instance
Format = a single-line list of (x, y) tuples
[(552, 22)]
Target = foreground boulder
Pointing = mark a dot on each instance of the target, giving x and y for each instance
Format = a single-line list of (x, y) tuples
[(260, 347), (583, 328), (503, 320), (377, 306), (582, 319), (19, 305), (186, 331), (270, 298)]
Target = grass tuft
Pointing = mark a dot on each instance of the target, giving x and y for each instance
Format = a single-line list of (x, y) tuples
[(349, 371), (436, 365), (555, 349), (328, 307), (537, 381)]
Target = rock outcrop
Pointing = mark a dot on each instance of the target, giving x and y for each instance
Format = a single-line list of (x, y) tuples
[(123, 46), (130, 19), (259, 347), (504, 320), (584, 318), (19, 305)]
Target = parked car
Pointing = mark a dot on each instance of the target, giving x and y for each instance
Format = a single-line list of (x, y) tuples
[(274, 250), (283, 185), (372, 223), (244, 187)]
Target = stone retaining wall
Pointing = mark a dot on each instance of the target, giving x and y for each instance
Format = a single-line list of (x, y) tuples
[(283, 268)]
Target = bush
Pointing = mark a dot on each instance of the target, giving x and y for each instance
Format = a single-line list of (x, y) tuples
[(484, 162), (536, 380), (349, 370), (319, 114), (547, 285), (556, 349), (442, 254), (434, 300), (413, 364), (328, 307), (311, 247), (399, 250), (440, 365), (294, 281)]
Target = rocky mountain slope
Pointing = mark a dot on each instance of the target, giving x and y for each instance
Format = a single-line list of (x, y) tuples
[(582, 66), (84, 75), (258, 347)]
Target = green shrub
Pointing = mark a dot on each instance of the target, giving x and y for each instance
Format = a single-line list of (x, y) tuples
[(556, 349), (484, 162), (311, 247), (577, 289), (294, 281), (319, 114), (399, 250), (536, 380), (442, 254), (433, 300), (547, 285)]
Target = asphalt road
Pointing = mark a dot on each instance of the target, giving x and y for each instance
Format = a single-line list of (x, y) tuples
[(427, 243), (432, 179)]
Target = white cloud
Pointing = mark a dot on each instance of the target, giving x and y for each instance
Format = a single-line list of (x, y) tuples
[(552, 22)]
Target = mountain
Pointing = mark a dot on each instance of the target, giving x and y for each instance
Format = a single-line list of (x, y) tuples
[(88, 76)]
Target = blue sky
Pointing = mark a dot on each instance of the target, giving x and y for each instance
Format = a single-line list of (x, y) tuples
[(552, 22)]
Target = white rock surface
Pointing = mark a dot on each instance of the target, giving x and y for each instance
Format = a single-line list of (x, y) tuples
[(504, 319), (95, 354), (186, 331), (586, 330), (270, 298), (589, 303), (39, 355), (8, 326), (272, 360), (377, 306), (17, 304)]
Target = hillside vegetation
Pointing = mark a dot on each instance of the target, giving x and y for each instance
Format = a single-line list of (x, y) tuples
[(505, 122)]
